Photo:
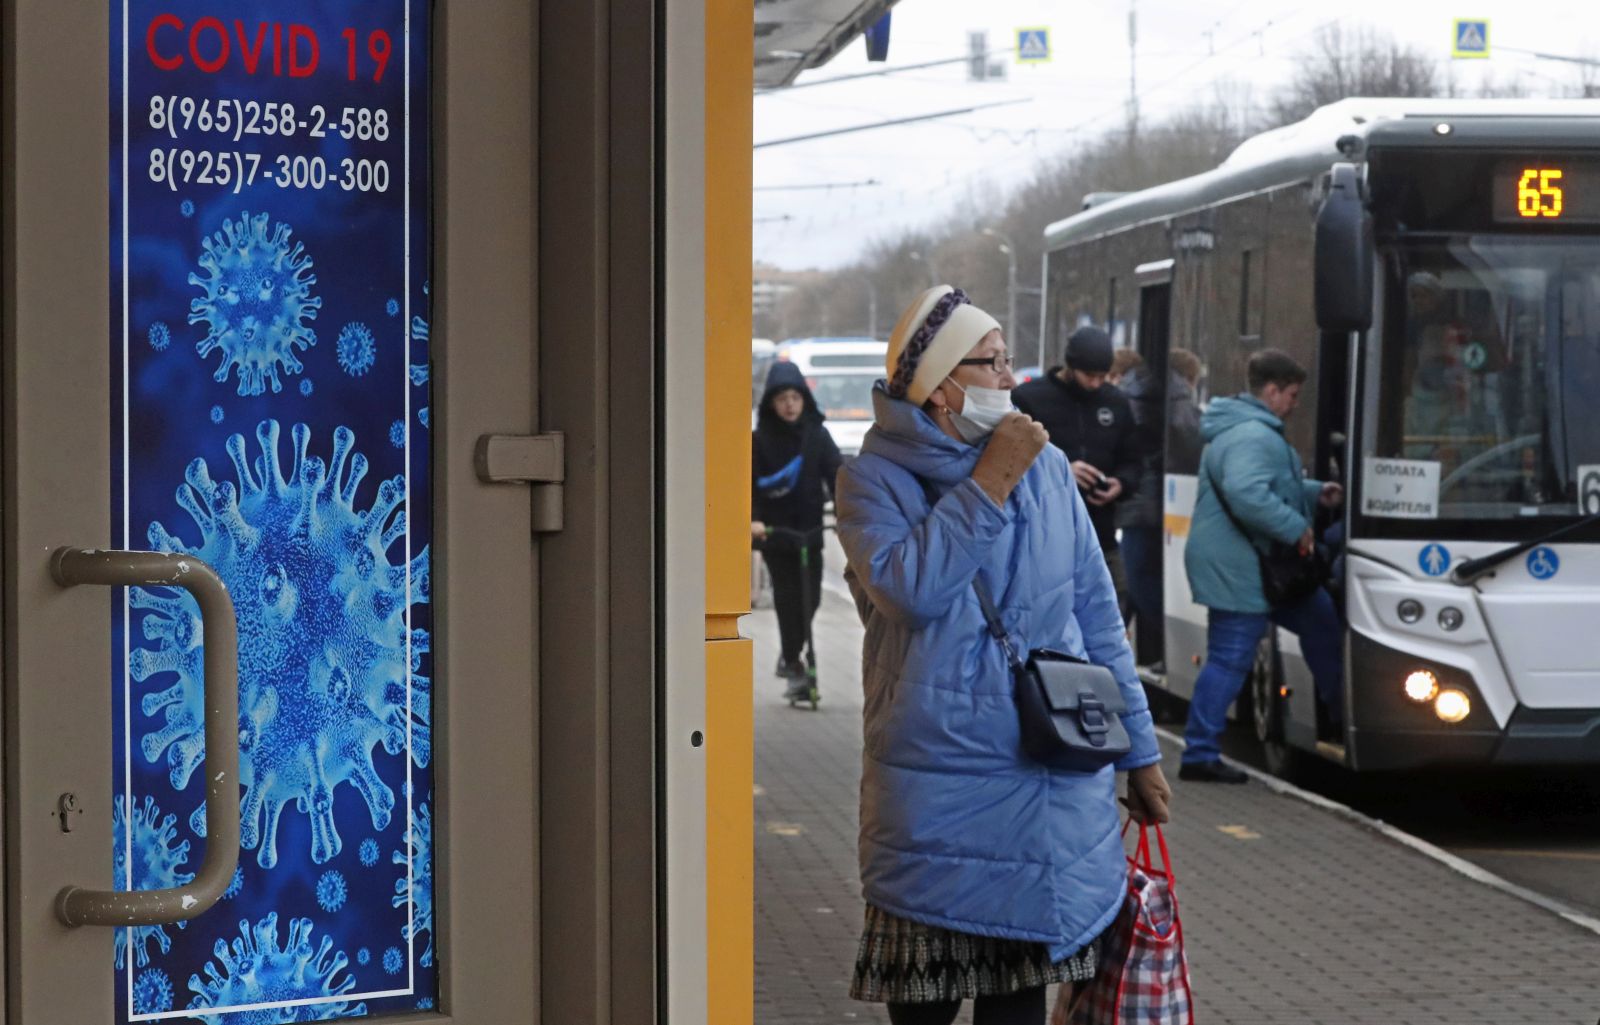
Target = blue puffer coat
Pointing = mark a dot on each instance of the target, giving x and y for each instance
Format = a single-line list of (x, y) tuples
[(959, 828), (1248, 457)]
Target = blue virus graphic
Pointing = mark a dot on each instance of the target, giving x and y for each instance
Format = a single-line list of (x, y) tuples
[(160, 336), (419, 374), (369, 852), (255, 970), (355, 348), (393, 961), (306, 387), (419, 329), (216, 414), (236, 886), (425, 1004), (152, 992), (257, 302), (363, 956), (322, 636), (392, 307), (331, 890), (418, 890), (186, 208), (397, 434), (422, 414), (156, 866)]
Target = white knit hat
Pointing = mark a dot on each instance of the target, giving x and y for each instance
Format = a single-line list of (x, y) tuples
[(933, 334)]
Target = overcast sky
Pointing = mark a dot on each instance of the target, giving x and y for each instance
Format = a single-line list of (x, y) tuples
[(1184, 51)]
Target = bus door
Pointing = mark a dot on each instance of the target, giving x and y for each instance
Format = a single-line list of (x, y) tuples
[(236, 466), (1154, 339)]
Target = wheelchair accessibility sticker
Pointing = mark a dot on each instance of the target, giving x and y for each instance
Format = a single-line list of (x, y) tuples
[(1543, 563), (1434, 559)]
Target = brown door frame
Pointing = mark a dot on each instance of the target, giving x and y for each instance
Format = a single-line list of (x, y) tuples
[(597, 303)]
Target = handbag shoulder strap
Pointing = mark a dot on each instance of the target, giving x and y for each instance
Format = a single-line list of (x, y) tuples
[(1222, 498), (991, 615)]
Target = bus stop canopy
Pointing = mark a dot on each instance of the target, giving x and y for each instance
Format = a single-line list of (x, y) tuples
[(795, 35)]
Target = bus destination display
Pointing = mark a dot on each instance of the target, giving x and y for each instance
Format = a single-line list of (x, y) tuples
[(1539, 191)]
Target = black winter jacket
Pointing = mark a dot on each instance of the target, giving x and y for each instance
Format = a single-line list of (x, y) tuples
[(792, 465), (1142, 506), (1096, 427)]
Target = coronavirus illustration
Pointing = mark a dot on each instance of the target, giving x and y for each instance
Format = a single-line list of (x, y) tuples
[(217, 414), (256, 971), (363, 956), (356, 349), (331, 890), (419, 374), (393, 960), (186, 208), (306, 387), (397, 434), (419, 329), (257, 303), (160, 336), (422, 415), (156, 865), (369, 852), (325, 657), (152, 992), (418, 889), (392, 307), (236, 886)]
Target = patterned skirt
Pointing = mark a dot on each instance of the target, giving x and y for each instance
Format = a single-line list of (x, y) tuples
[(904, 962)]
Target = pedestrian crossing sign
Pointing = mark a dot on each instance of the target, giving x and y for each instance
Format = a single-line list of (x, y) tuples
[(1471, 37), (1033, 45)]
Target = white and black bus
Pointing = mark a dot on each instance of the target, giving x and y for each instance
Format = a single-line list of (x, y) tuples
[(1436, 264)]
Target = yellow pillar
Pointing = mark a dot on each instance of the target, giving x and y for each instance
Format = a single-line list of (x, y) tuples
[(730, 825)]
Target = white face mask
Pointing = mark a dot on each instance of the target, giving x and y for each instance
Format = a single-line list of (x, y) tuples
[(982, 412)]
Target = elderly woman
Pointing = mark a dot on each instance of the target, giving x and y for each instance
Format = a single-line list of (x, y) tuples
[(987, 876)]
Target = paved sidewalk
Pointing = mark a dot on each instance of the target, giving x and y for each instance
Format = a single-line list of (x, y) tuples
[(1292, 914)]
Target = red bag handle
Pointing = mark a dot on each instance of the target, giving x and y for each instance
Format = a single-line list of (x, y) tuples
[(1141, 851)]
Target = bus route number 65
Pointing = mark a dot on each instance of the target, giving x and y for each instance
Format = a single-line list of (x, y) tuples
[(1538, 195)]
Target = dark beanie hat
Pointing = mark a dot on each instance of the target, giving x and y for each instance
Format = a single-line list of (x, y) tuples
[(1089, 350)]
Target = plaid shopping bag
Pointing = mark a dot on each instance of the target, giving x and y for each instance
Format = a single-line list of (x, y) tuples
[(1144, 976)]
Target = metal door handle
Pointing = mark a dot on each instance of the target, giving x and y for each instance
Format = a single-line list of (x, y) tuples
[(79, 906)]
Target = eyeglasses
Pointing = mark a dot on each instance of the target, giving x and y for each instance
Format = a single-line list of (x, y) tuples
[(1000, 364)]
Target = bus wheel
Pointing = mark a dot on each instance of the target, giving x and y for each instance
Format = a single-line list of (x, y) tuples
[(1267, 712)]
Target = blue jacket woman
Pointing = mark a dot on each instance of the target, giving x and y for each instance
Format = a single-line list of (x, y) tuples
[(969, 851)]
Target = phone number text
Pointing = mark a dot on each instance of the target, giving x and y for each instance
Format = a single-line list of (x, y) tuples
[(238, 171), (239, 118)]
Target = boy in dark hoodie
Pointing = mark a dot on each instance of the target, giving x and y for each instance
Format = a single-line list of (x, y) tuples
[(794, 461)]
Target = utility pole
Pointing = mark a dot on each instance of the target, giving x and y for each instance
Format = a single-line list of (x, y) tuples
[(872, 307), (1133, 70), (1010, 249)]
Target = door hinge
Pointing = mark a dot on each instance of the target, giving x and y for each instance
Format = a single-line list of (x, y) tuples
[(536, 459)]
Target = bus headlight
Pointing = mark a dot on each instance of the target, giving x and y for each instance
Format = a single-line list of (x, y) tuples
[(1409, 610), (1422, 686), (1452, 706), (1451, 618)]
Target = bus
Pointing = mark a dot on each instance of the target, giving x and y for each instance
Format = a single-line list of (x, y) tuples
[(1435, 264)]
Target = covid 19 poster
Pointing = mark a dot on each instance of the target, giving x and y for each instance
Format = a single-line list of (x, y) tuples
[(269, 245)]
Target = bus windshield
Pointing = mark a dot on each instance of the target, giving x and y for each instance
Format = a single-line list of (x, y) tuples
[(1487, 378)]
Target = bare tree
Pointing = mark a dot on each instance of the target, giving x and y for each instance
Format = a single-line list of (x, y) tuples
[(1344, 62)]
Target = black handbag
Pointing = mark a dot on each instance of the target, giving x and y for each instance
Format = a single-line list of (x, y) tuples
[(1286, 575), (1070, 710)]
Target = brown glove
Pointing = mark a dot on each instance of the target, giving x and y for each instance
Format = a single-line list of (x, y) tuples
[(1149, 795), (1013, 447)]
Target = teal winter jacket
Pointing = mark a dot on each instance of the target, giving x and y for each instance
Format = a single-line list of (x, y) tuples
[(1260, 473), (959, 828)]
